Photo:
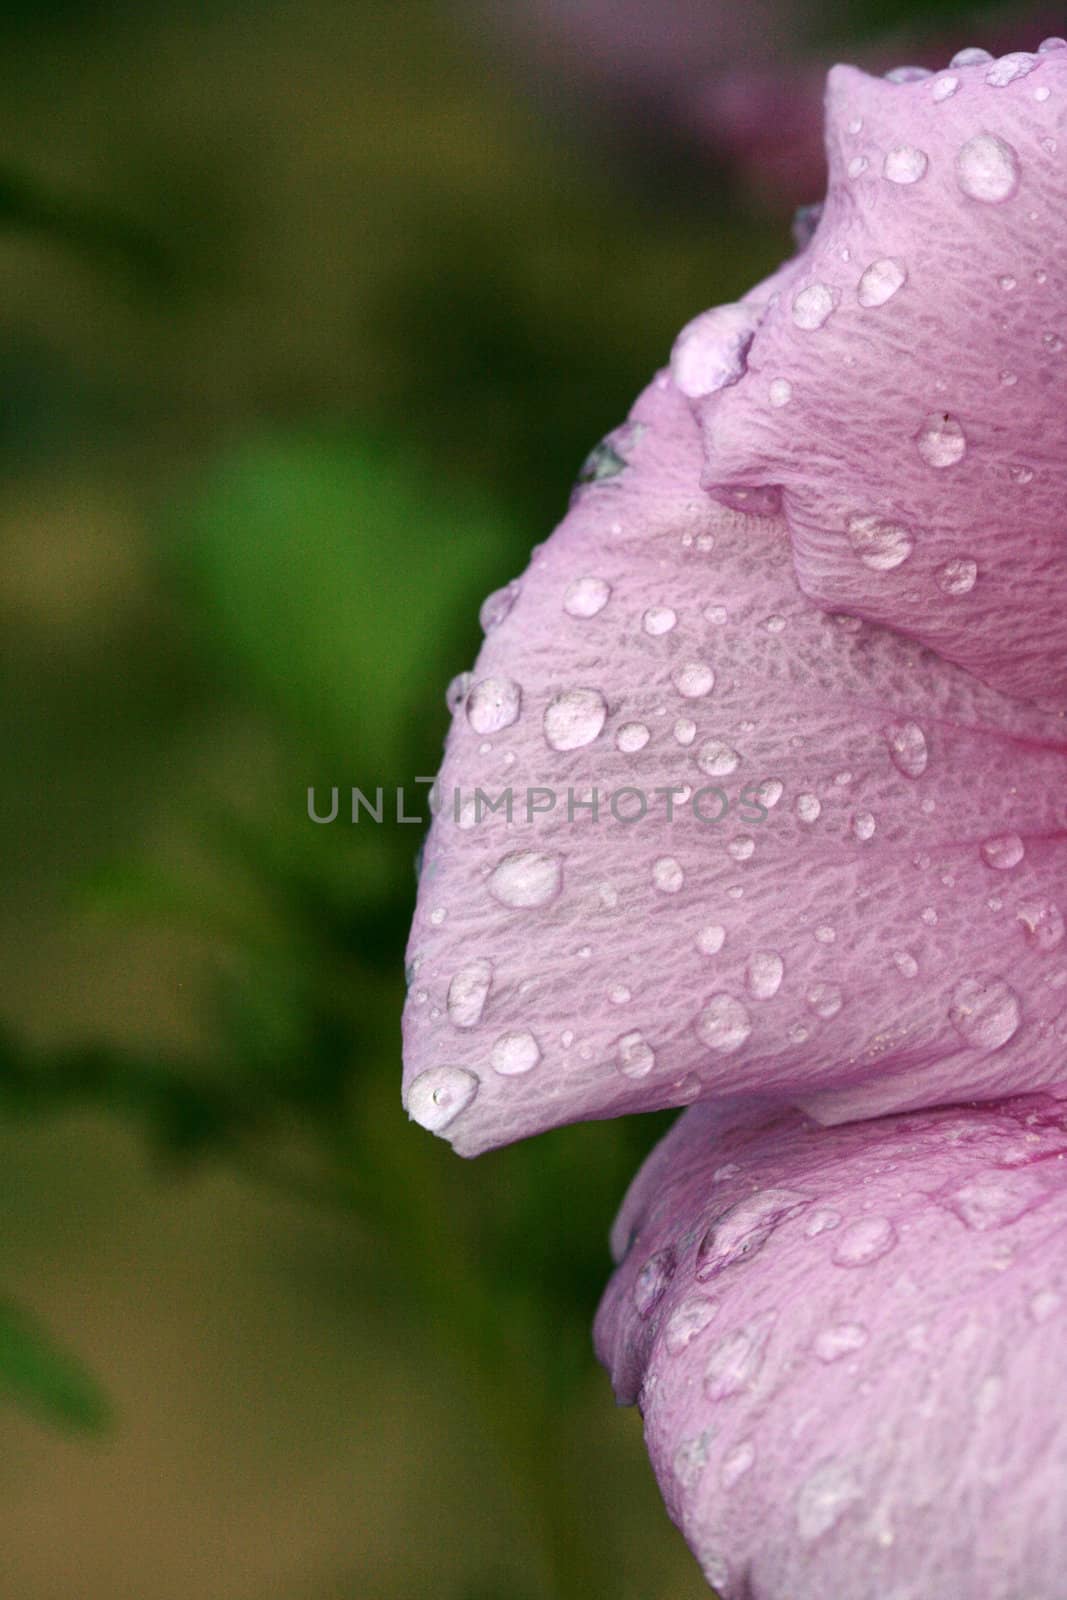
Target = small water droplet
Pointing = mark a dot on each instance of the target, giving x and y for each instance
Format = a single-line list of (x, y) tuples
[(631, 737), (972, 56), (710, 940), (880, 545), (863, 825), (822, 1221), (743, 848), (905, 164), (711, 352), (808, 807), (693, 679), (717, 759), (736, 1462), (526, 879), (437, 1097), (908, 748), (814, 305), (634, 1056), (515, 1053), (468, 992), (987, 168), (780, 392), (992, 1200), (496, 606), (843, 1339), (905, 963), (1010, 68), (685, 730), (958, 577), (744, 1229), (724, 1024), (945, 87), (687, 1321), (865, 1241), (651, 1282), (769, 792), (574, 718), (1042, 923), (493, 704), (985, 1012), (824, 1497), (659, 620), (1003, 852), (825, 999), (667, 875), (880, 282), (735, 1362), (585, 597), (858, 166), (940, 440), (764, 973)]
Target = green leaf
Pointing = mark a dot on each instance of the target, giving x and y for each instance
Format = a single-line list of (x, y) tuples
[(44, 1379), (346, 578)]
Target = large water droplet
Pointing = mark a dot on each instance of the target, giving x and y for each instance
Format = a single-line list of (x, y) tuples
[(468, 992), (437, 1097), (710, 353), (865, 1241), (987, 168), (1042, 923), (907, 748), (492, 704), (905, 164), (764, 973), (880, 282), (574, 718), (985, 1012), (1003, 852), (515, 1053), (585, 597), (814, 305), (940, 440), (744, 1229), (1009, 68), (724, 1024), (880, 545), (526, 879)]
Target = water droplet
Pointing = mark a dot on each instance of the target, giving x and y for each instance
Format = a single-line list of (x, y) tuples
[(905, 963), (667, 875), (843, 1339), (710, 940), (905, 164), (1043, 925), (822, 1221), (736, 1462), (907, 74), (985, 1012), (685, 730), (813, 305), (764, 973), (526, 879), (492, 704), (693, 679), (907, 748), (659, 620), (631, 737), (436, 1098), (717, 759), (743, 848), (808, 807), (858, 166), (780, 392), (824, 1498), (585, 597), (769, 792), (496, 606), (651, 1282), (735, 1362), (716, 614), (825, 934), (863, 825), (687, 1321), (865, 1241), (574, 718), (880, 282), (1009, 68), (825, 999), (690, 1459), (880, 545), (711, 352), (958, 577), (602, 462), (1052, 43), (619, 994), (744, 1229), (724, 1024), (1003, 852), (468, 992), (940, 440), (992, 1200), (515, 1053), (987, 168), (944, 88), (635, 1058), (972, 56)]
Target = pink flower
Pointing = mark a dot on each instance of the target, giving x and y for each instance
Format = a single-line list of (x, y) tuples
[(755, 797)]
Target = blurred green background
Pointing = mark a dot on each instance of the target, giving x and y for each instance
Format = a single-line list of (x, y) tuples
[(310, 312)]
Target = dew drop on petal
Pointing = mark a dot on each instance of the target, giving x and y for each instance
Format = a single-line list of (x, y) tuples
[(908, 749), (780, 392), (985, 1012), (693, 679), (724, 1024), (764, 973), (526, 879), (808, 807), (631, 737), (436, 1098), (685, 730), (905, 164), (468, 992), (711, 352), (769, 792), (880, 545), (1009, 68), (863, 825), (687, 1321), (865, 1241), (515, 1053), (585, 597), (972, 56), (651, 1282), (958, 577), (823, 1499), (743, 1230), (658, 620), (667, 875), (492, 704), (635, 1058), (880, 282), (574, 718), (987, 168), (825, 999), (735, 1362), (717, 759), (1042, 924), (940, 440), (743, 848), (1003, 852), (814, 305), (992, 1200), (710, 940), (905, 963), (842, 1339), (945, 87)]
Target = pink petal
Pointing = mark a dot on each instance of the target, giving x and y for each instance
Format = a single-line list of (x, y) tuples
[(874, 924), (922, 454), (847, 1344)]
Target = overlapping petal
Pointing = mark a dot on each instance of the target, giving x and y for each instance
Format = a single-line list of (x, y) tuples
[(858, 903), (847, 1344)]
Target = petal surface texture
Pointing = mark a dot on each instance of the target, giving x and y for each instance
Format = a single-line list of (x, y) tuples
[(907, 392), (858, 905), (847, 1344)]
